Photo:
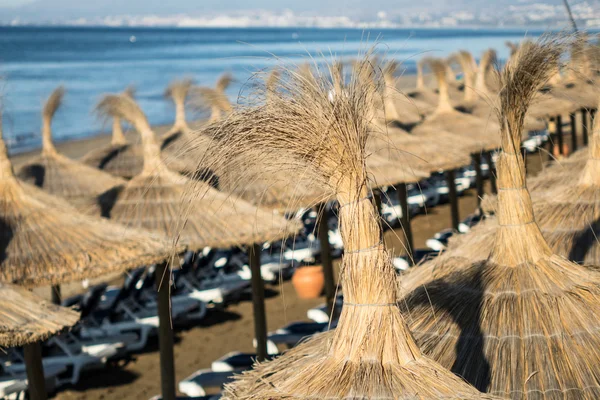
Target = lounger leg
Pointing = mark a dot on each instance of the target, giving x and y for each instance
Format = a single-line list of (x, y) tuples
[(405, 221), (35, 371), (326, 261), (258, 303), (165, 333)]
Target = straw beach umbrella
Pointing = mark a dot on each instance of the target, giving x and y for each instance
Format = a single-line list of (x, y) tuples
[(150, 200), (578, 88), (119, 158), (156, 200), (521, 323), (446, 118), (175, 144), (61, 176), (371, 353), (398, 107), (431, 153), (26, 321), (568, 210), (214, 98), (421, 92), (45, 241), (482, 101)]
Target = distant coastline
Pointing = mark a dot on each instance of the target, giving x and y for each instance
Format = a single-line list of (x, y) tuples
[(503, 29)]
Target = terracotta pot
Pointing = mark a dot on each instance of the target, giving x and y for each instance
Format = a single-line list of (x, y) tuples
[(309, 281)]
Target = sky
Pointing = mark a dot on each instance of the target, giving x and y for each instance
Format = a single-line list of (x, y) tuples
[(199, 6), (60, 10)]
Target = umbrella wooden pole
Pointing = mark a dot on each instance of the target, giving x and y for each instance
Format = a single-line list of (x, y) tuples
[(56, 297), (551, 138), (492, 172), (258, 303), (405, 221), (35, 371), (559, 134), (377, 199), (478, 177), (326, 259), (573, 120), (165, 333), (584, 126), (453, 197)]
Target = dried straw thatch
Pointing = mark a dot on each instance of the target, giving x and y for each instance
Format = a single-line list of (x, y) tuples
[(384, 171), (522, 323), (469, 68), (156, 199), (58, 175), (27, 318), (398, 107), (214, 99), (421, 92), (371, 354), (435, 151), (45, 241), (483, 102), (568, 209), (119, 158), (578, 89), (175, 144), (513, 47), (283, 190), (409, 155), (177, 92), (447, 119), (118, 137)]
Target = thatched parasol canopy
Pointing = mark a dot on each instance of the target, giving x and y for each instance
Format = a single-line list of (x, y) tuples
[(432, 152), (120, 157), (371, 354), (61, 176), (45, 241), (523, 322), (158, 199), (422, 93), (283, 190), (384, 171), (483, 101), (26, 318), (447, 119), (578, 86), (469, 68), (568, 208), (398, 107), (175, 145)]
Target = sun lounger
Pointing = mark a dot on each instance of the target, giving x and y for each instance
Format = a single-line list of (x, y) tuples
[(204, 381)]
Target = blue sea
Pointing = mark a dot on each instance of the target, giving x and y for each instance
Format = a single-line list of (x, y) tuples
[(93, 61)]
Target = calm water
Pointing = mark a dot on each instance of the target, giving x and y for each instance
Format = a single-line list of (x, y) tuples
[(92, 61)]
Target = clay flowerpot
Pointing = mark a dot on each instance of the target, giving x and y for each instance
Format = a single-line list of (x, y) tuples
[(309, 281)]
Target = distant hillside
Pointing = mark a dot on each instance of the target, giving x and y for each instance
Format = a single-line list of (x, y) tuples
[(397, 12)]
